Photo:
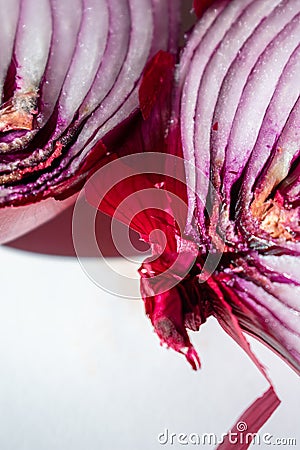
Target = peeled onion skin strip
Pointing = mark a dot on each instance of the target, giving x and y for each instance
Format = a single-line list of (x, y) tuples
[(234, 316), (9, 14), (255, 417)]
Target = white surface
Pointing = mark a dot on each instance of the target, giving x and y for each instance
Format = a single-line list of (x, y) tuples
[(82, 370)]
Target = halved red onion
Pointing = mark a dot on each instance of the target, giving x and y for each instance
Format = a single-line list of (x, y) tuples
[(69, 75), (237, 102)]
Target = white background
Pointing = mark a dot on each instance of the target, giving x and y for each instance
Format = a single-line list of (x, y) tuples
[(83, 370)]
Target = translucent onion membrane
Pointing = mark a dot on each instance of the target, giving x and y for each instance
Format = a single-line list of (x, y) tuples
[(69, 75)]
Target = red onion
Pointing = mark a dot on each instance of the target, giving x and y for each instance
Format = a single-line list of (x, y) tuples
[(235, 121), (69, 75), (237, 102)]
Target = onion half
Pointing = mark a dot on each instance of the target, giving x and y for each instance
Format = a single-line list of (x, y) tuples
[(237, 103), (69, 75)]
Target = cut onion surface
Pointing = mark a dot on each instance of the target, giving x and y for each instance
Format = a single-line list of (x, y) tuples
[(69, 75)]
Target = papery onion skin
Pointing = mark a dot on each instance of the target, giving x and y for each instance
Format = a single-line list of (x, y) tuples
[(70, 76)]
